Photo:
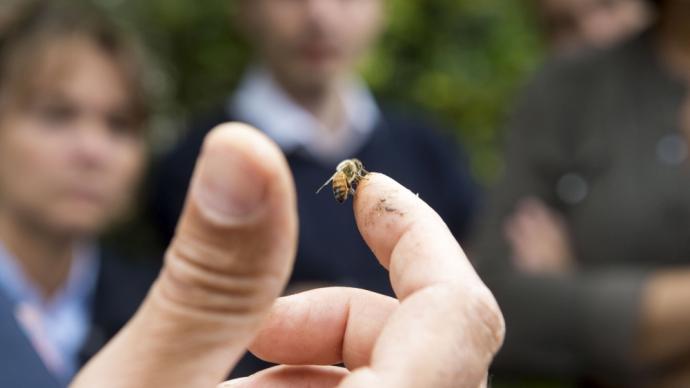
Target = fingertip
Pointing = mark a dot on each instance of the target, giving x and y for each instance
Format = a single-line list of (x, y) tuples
[(238, 168), (250, 143), (384, 209), (408, 237)]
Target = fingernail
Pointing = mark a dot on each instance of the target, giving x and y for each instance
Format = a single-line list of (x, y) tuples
[(236, 383), (229, 186)]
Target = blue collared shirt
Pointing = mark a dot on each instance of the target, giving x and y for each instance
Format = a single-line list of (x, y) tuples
[(57, 328)]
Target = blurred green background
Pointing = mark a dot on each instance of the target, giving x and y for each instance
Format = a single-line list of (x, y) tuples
[(462, 60)]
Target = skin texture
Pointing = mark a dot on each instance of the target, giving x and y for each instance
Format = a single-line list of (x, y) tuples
[(231, 257), (539, 239), (68, 160), (308, 44), (311, 47)]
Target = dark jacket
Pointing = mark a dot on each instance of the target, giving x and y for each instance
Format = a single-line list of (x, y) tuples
[(120, 289), (598, 139)]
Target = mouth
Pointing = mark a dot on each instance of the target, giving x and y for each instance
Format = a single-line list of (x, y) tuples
[(318, 53), (87, 196)]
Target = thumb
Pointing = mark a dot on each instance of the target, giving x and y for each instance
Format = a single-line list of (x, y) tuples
[(230, 258)]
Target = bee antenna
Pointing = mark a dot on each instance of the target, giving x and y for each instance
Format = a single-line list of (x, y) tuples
[(324, 185)]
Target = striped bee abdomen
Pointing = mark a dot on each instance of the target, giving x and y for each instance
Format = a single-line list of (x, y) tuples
[(347, 175), (340, 187)]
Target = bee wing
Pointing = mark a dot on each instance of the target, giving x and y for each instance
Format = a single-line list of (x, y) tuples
[(326, 184)]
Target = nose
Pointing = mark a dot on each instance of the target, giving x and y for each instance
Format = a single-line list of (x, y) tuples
[(323, 12), (91, 145)]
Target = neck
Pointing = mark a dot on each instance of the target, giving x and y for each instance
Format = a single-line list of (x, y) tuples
[(324, 102), (45, 258), (675, 38)]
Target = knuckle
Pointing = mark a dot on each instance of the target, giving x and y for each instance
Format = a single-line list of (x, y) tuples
[(193, 283), (489, 321)]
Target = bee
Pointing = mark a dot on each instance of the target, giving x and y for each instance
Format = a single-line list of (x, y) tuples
[(347, 175)]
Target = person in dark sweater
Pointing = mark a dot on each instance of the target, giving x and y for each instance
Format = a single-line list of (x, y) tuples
[(585, 241), (304, 93), (72, 151)]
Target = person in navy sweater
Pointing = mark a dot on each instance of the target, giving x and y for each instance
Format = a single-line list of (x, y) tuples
[(304, 93)]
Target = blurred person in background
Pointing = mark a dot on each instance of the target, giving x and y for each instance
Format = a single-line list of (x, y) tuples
[(586, 240), (572, 25), (72, 149), (304, 92)]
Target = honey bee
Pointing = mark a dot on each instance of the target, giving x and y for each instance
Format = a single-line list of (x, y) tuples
[(347, 175)]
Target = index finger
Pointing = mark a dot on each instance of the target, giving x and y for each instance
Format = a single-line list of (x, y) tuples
[(448, 326), (445, 331), (409, 238)]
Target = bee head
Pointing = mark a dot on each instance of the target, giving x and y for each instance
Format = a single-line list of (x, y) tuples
[(343, 165)]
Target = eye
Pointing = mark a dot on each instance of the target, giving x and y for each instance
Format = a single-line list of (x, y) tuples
[(55, 114), (123, 125)]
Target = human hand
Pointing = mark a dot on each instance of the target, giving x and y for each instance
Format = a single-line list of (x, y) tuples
[(539, 239), (441, 332), (229, 261), (230, 258)]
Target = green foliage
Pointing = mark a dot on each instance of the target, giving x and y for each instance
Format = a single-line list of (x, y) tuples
[(459, 59)]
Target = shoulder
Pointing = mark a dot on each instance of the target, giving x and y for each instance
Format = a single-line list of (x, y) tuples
[(123, 282), (191, 140), (563, 77), (410, 118), (424, 146), (566, 93), (173, 168), (114, 264), (415, 123), (421, 129), (121, 287), (21, 366)]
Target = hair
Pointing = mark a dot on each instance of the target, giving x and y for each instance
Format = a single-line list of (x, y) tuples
[(656, 4), (35, 26)]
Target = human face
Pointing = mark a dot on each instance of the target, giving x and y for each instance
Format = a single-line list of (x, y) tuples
[(70, 156), (311, 42), (574, 24)]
